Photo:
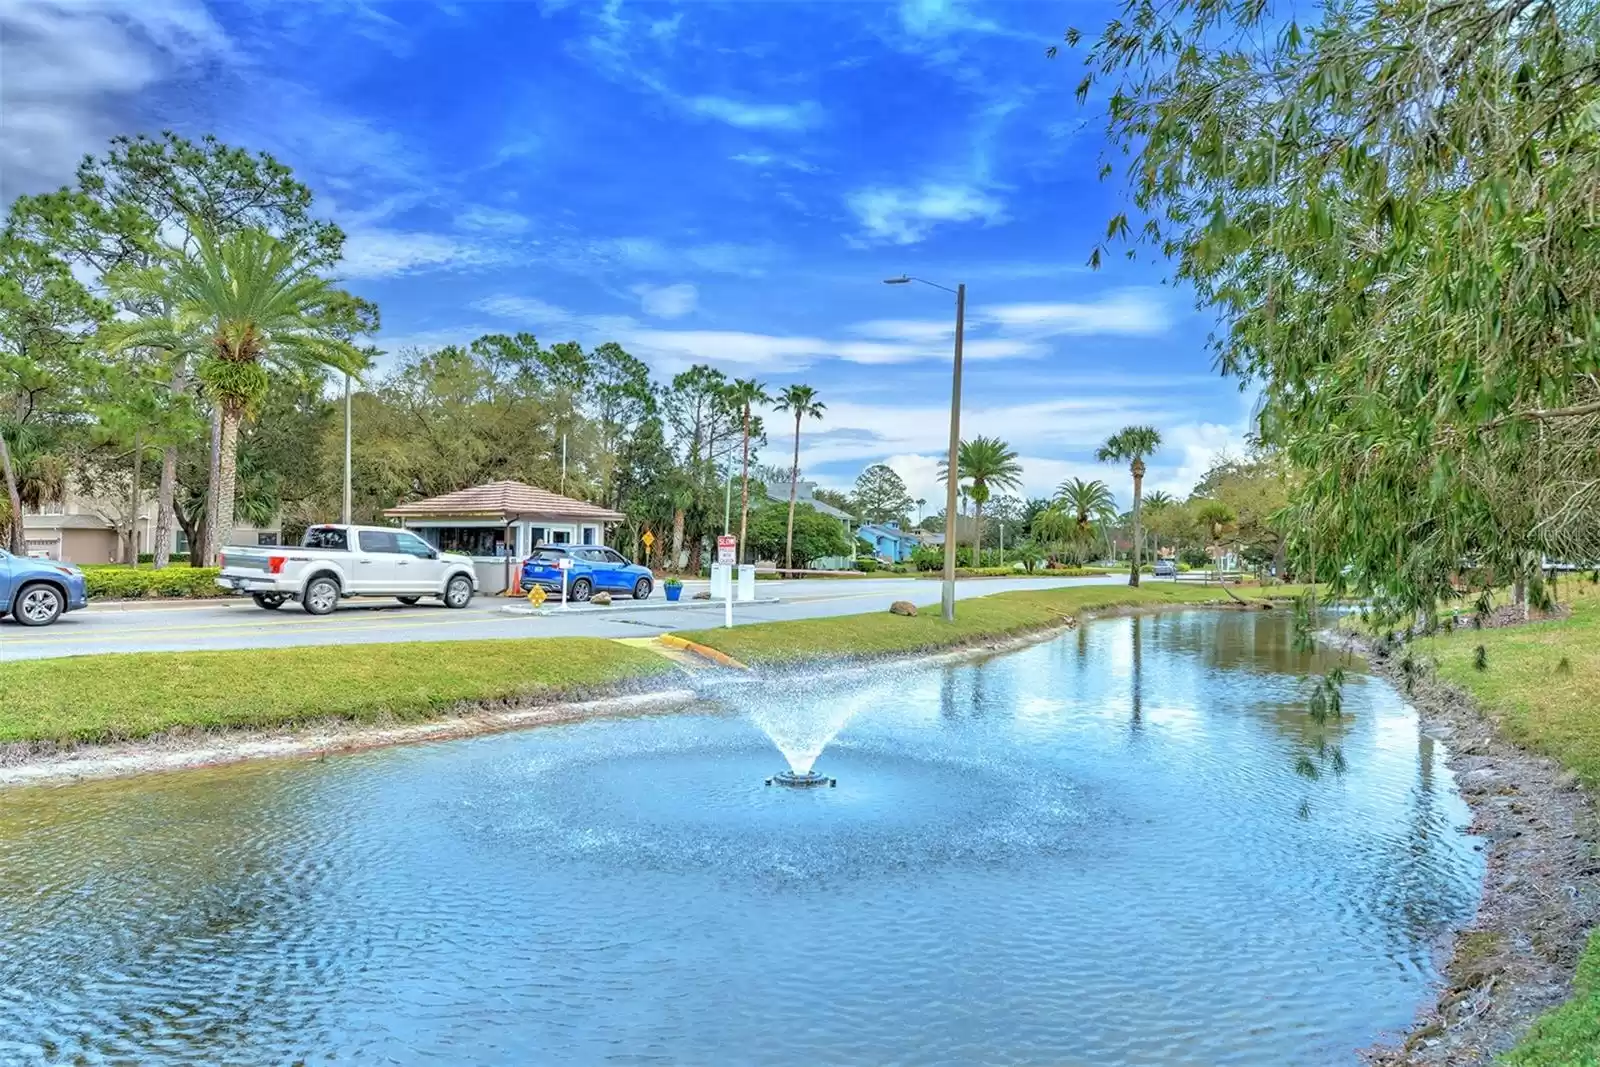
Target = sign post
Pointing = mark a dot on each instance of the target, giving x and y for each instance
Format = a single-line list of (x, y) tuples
[(727, 553), (564, 564)]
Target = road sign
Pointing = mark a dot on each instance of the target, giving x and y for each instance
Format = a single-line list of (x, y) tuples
[(648, 539), (727, 549), (564, 563), (536, 596)]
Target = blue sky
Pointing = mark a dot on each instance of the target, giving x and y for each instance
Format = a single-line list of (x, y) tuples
[(724, 183)]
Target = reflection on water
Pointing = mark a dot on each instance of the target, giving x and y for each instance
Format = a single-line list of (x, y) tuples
[(1087, 852)]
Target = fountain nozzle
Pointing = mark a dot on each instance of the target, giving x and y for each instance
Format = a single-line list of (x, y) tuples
[(802, 781)]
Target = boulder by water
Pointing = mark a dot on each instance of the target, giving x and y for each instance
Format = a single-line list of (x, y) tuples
[(902, 607)]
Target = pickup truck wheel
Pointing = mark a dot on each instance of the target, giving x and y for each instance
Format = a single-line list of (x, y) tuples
[(409, 601), (581, 590), (458, 592), (641, 589), (321, 596), (38, 605), (269, 601)]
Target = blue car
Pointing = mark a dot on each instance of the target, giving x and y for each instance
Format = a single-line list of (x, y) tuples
[(37, 592), (593, 569)]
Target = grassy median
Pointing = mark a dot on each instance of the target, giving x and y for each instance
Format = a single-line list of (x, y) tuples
[(977, 619), (120, 697), (1541, 683)]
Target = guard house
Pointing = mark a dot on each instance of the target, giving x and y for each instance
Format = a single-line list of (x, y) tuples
[(498, 524)]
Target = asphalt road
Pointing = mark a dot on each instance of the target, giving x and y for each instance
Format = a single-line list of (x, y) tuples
[(234, 624)]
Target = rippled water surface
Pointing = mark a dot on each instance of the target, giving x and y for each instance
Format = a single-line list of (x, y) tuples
[(1094, 851)]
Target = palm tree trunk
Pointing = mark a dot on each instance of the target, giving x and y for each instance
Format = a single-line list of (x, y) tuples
[(164, 510), (135, 498), (202, 554), (677, 539), (977, 536), (15, 541), (1138, 541), (744, 484), (227, 479), (794, 485)]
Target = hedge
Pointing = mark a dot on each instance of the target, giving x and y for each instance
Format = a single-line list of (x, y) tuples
[(126, 583)]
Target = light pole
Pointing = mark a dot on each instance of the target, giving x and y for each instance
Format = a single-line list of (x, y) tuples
[(346, 513), (947, 599)]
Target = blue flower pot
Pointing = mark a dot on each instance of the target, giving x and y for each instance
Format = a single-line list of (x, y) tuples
[(674, 592)]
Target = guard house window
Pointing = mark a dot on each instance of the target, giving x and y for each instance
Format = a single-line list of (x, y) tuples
[(561, 537), (479, 541), (588, 535)]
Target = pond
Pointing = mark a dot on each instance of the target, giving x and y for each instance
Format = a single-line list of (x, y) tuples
[(1104, 849)]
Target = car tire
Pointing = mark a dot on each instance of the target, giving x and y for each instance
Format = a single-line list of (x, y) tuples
[(409, 601), (642, 589), (321, 596), (581, 591), (39, 604), (269, 601), (458, 592)]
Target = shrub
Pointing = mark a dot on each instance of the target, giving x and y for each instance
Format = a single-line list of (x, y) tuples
[(928, 557), (127, 583), (867, 564)]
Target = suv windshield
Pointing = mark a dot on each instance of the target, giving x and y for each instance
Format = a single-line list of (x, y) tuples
[(548, 555), (330, 537)]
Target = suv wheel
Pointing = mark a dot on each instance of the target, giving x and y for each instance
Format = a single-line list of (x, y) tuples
[(321, 596), (458, 592), (581, 590), (38, 605), (641, 589)]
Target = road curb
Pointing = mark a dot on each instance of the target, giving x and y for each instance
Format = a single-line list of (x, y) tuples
[(712, 654), (630, 605)]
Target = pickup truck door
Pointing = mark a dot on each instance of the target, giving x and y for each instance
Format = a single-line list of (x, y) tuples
[(377, 567), (420, 567)]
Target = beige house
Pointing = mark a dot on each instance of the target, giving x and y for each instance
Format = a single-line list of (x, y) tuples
[(500, 523), (82, 530)]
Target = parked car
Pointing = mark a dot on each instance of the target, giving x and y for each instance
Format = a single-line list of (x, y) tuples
[(1166, 568), (594, 569), (333, 562), (37, 592)]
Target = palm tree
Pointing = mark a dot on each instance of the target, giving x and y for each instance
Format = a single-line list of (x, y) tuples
[(261, 306), (743, 393), (1084, 504), (921, 503), (1155, 503), (802, 401), (1131, 444), (988, 463)]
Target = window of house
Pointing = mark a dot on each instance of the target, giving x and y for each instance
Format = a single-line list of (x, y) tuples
[(537, 535), (588, 535), (266, 539), (561, 537), (180, 542), (472, 540)]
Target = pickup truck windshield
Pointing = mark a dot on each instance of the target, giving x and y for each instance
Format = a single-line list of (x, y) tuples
[(326, 537)]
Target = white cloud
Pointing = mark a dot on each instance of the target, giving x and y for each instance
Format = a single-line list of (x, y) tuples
[(905, 216), (378, 253), (523, 307), (755, 116), (667, 301), (770, 160), (647, 253), (939, 18), (70, 72), (1131, 311), (493, 220), (906, 329)]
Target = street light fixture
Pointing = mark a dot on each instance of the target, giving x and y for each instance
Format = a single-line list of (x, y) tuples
[(947, 599)]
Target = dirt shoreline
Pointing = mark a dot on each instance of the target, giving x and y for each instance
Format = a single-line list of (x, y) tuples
[(1541, 892)]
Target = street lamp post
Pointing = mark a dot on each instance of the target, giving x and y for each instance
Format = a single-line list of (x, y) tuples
[(947, 598)]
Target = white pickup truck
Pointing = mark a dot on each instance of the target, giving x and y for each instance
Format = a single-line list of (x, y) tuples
[(342, 561)]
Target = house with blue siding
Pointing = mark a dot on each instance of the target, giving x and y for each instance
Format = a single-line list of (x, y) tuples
[(889, 541)]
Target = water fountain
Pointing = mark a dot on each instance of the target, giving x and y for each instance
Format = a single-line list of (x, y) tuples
[(802, 781), (801, 729)]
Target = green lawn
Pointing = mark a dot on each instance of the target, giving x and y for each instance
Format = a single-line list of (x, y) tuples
[(118, 697), (1554, 709), (977, 619)]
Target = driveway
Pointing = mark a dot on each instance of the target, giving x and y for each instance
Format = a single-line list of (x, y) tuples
[(235, 624)]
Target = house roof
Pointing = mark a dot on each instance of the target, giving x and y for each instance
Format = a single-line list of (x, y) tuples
[(65, 522), (507, 501)]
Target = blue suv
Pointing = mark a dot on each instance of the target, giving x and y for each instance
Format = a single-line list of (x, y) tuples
[(37, 592), (594, 569)]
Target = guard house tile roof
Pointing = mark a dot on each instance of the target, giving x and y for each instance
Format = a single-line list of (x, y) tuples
[(503, 500)]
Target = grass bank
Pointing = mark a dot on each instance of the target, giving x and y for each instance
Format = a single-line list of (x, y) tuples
[(125, 697), (977, 619), (1541, 685)]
